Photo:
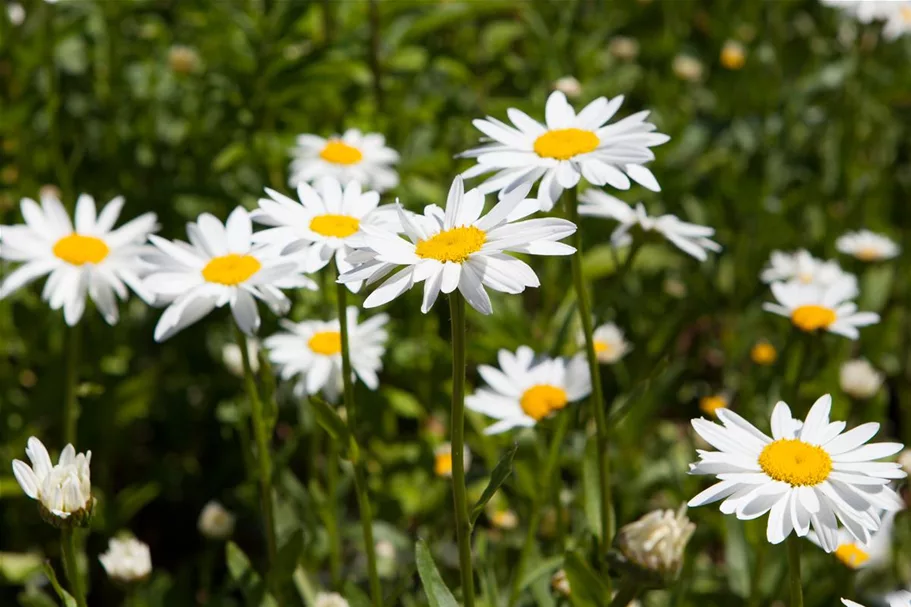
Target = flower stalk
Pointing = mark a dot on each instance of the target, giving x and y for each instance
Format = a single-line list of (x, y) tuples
[(794, 570), (70, 564), (71, 402)]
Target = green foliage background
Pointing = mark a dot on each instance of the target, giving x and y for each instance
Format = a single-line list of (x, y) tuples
[(186, 106)]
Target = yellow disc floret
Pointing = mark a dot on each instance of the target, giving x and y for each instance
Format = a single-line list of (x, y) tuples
[(763, 353), (564, 144), (338, 152), (442, 465), (540, 401), (813, 317), (795, 462), (455, 245), (79, 250), (339, 226), (231, 269), (852, 555), (327, 343)]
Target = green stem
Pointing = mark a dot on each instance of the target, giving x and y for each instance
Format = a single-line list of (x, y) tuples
[(335, 543), (360, 481), (68, 548), (626, 594), (71, 404), (263, 454), (755, 590), (463, 524), (597, 399), (794, 568)]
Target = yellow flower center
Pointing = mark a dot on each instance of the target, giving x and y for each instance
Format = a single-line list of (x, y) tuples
[(504, 519), (231, 269), (906, 14), (442, 466), (79, 250), (852, 555), (564, 144), (540, 401), (454, 245), (710, 404), (327, 343), (602, 347), (812, 317), (868, 253), (805, 277), (763, 353), (340, 226), (795, 462), (338, 152), (732, 56)]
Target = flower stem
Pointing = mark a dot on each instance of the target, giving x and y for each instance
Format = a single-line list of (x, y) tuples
[(335, 543), (263, 455), (463, 524), (794, 567), (360, 481), (71, 402), (68, 548), (597, 399)]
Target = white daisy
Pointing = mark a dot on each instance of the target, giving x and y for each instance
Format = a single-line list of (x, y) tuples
[(857, 555), (867, 246), (811, 308), (323, 222), (361, 157), (91, 259), (610, 344), (127, 560), (808, 474), (524, 391), (802, 267), (458, 248), (63, 490), (900, 598), (570, 146), (312, 352), (690, 238), (220, 266)]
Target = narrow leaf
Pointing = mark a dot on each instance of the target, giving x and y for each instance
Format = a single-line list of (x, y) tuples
[(438, 594), (499, 475), (587, 587), (66, 597), (329, 419)]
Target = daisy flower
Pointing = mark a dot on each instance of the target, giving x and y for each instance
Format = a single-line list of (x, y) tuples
[(690, 238), (802, 267), (812, 308), (458, 248), (353, 156), (568, 147), (808, 473), (442, 460), (523, 391), (312, 352), (867, 246), (64, 490), (322, 223), (900, 598), (610, 344), (857, 555), (127, 560), (219, 266), (89, 259)]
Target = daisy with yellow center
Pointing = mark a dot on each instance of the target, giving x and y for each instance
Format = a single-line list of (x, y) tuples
[(610, 344), (442, 460), (321, 223), (873, 554), (567, 148), (523, 391), (310, 353), (867, 246), (84, 259), (807, 474), (219, 266), (800, 266), (710, 404), (352, 156), (457, 248), (812, 308), (763, 353)]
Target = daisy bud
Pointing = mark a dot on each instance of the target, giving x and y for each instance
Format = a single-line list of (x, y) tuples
[(64, 491), (329, 599), (442, 465), (687, 68), (215, 521), (231, 357), (127, 560), (654, 545), (560, 583), (859, 379), (183, 59), (569, 86), (622, 47), (763, 353)]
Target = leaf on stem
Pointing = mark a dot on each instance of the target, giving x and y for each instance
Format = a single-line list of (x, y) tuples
[(587, 588), (330, 420), (438, 595), (66, 597), (499, 475)]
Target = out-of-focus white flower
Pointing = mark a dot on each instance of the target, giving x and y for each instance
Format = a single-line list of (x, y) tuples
[(560, 583), (127, 560), (623, 47), (802, 267), (329, 599), (504, 518), (183, 59), (16, 13), (857, 555), (895, 13), (233, 360), (860, 379), (442, 460), (656, 541), (215, 521), (610, 344), (867, 246), (569, 86), (64, 491), (899, 598), (904, 459), (812, 308), (690, 238), (687, 68), (352, 156)]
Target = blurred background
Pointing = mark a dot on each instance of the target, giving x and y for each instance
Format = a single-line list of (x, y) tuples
[(789, 125)]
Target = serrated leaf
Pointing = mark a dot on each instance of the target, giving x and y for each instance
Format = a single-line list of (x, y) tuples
[(499, 475), (438, 594)]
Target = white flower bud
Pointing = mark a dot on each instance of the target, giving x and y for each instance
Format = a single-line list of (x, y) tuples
[(656, 541), (215, 521), (64, 491), (569, 86), (127, 560), (859, 379)]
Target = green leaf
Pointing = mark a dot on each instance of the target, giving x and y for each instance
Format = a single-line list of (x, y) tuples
[(736, 556), (66, 597), (438, 594), (229, 156), (587, 588), (591, 489), (249, 581), (402, 402), (329, 419), (287, 559), (499, 475), (132, 499)]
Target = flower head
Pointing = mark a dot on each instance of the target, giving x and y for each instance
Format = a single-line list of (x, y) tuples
[(900, 598), (312, 352), (813, 308), (763, 353), (733, 55), (458, 248), (64, 491), (803, 268), (857, 555), (692, 239), (610, 344), (127, 560), (867, 246), (215, 521), (711, 403), (655, 543), (219, 266), (88, 259), (329, 599), (809, 473), (860, 379), (569, 146), (523, 391), (442, 460), (352, 156), (569, 86)]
